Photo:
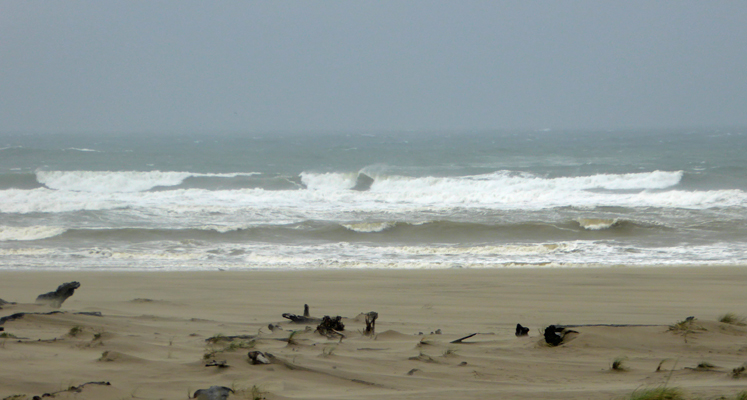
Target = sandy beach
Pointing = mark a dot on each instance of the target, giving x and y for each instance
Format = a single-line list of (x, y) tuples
[(152, 339)]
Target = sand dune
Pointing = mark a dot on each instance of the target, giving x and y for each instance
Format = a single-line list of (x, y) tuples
[(157, 331)]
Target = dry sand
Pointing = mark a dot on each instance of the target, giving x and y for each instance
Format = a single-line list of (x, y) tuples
[(150, 341)]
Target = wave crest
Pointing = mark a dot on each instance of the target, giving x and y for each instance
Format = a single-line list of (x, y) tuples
[(597, 224), (26, 233), (118, 181), (370, 227)]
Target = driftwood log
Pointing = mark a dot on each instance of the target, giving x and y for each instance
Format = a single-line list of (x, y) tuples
[(554, 335), (331, 327), (257, 358), (463, 338), (71, 389), (56, 298), (20, 315), (219, 364), (306, 318)]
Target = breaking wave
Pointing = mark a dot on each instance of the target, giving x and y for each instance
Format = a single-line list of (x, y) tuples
[(12, 233), (117, 181), (370, 227), (597, 224)]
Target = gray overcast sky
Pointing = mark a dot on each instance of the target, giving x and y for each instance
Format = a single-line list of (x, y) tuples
[(339, 65)]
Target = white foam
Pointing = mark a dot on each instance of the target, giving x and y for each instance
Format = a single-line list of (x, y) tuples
[(225, 228), (118, 181), (523, 182), (369, 227), (200, 256), (25, 233), (330, 199), (525, 249), (25, 252), (108, 181), (329, 181), (294, 205), (597, 224)]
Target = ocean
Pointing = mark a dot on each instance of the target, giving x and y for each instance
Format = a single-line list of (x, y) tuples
[(386, 200)]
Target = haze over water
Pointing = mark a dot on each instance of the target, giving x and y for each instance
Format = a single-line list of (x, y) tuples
[(438, 200)]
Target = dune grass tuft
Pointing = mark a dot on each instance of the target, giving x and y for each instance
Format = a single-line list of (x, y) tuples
[(659, 393), (737, 372), (618, 364), (256, 393), (75, 331), (732, 319), (686, 327), (704, 365), (451, 351), (292, 340)]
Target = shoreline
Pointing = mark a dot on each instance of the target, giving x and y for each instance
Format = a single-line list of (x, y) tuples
[(156, 323), (475, 267)]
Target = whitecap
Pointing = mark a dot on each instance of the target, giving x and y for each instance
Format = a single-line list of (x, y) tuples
[(26, 233), (597, 224), (369, 227)]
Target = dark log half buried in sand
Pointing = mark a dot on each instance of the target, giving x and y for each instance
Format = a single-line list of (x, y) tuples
[(371, 317), (554, 335), (302, 319)]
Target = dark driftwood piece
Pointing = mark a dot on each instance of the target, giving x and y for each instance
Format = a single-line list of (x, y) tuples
[(371, 322), (331, 327), (91, 313), (73, 389), (20, 315), (521, 330), (219, 364), (554, 335), (302, 319), (213, 393), (551, 335), (257, 357), (460, 339), (330, 324), (56, 298)]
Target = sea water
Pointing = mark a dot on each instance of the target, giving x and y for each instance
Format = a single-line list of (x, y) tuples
[(488, 199)]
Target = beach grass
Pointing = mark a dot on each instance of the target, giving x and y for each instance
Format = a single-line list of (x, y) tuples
[(732, 319), (618, 364), (659, 393)]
